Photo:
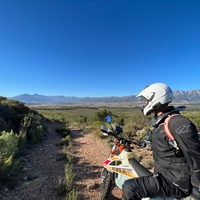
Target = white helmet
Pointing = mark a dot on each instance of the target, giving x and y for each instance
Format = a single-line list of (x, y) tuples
[(156, 95)]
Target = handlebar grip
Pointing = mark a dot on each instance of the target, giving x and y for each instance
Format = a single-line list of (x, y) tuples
[(103, 131), (106, 130)]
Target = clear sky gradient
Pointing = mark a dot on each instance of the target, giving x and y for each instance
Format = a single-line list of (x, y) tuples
[(98, 48)]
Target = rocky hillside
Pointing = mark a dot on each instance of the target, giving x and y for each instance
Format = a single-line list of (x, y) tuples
[(179, 96), (190, 96)]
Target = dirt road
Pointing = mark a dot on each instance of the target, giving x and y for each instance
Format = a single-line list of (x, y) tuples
[(89, 153), (43, 168)]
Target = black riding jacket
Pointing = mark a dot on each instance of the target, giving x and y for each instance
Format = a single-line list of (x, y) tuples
[(181, 167)]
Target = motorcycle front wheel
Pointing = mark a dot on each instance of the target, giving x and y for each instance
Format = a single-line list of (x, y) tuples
[(109, 190)]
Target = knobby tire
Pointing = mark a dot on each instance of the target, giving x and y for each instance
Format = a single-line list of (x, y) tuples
[(106, 188)]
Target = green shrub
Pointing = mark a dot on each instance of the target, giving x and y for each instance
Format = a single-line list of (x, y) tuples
[(69, 176), (101, 115), (8, 149), (65, 140), (82, 119), (72, 195), (35, 130), (63, 131)]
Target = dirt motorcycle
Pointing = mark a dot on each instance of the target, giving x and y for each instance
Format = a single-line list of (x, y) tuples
[(121, 164)]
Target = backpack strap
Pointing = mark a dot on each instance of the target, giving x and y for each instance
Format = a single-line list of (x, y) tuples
[(168, 133)]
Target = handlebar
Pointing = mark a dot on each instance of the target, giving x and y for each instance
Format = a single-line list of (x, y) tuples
[(106, 132), (123, 141)]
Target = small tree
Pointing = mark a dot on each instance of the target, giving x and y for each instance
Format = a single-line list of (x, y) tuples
[(101, 115), (82, 119)]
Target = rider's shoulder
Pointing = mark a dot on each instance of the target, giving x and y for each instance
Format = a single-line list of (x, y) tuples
[(179, 124)]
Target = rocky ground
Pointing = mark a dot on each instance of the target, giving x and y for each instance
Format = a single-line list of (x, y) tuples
[(89, 153), (43, 168)]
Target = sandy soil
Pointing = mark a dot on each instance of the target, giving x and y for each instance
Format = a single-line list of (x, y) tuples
[(89, 153)]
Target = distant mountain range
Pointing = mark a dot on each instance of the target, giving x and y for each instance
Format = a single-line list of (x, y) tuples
[(192, 96)]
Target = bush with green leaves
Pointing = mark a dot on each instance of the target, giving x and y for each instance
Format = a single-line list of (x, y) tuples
[(8, 150), (18, 125), (101, 114), (55, 116), (65, 140), (82, 119), (36, 130), (11, 113), (63, 131)]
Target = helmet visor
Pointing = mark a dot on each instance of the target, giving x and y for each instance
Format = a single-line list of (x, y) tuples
[(145, 98), (147, 95)]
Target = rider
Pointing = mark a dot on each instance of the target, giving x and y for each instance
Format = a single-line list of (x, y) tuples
[(177, 170)]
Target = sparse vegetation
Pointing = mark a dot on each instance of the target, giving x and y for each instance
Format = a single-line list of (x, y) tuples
[(135, 125), (72, 195), (65, 185), (19, 126)]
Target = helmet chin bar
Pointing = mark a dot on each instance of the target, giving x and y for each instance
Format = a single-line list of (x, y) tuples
[(148, 113), (157, 107)]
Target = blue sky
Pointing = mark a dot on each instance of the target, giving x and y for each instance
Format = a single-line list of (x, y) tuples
[(98, 48)]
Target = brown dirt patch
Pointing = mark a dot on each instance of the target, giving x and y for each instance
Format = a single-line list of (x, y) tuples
[(89, 154), (43, 169)]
